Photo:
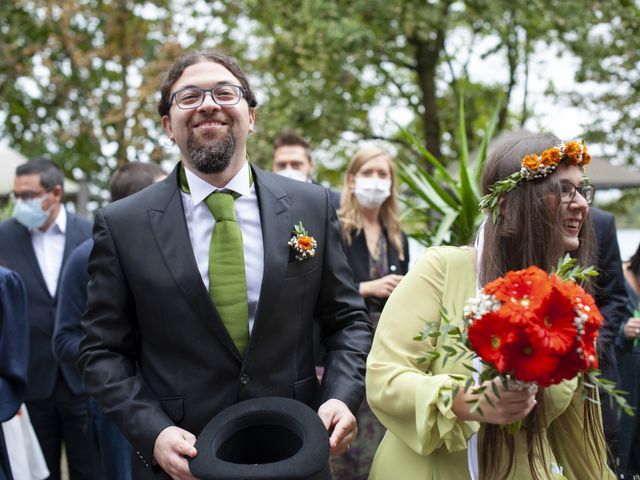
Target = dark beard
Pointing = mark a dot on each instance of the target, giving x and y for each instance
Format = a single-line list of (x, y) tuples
[(211, 157)]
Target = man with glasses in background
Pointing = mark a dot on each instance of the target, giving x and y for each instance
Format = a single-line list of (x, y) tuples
[(36, 243), (205, 285)]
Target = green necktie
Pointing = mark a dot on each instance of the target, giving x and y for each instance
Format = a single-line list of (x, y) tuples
[(227, 278)]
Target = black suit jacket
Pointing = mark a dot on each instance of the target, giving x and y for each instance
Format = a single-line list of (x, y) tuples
[(610, 293), (16, 252), (14, 354), (334, 196), (611, 298), (155, 352), (72, 302), (14, 339)]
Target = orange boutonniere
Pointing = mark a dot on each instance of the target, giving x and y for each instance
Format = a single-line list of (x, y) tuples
[(303, 244)]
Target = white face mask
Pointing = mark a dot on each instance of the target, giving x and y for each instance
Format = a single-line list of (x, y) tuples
[(372, 192), (30, 213), (294, 174)]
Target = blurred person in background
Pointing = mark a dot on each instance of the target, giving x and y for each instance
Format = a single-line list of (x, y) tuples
[(376, 247), (378, 253), (292, 159), (611, 299), (628, 353), (14, 354), (113, 448), (36, 243)]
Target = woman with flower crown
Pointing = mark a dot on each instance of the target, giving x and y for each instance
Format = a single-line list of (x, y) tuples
[(537, 205)]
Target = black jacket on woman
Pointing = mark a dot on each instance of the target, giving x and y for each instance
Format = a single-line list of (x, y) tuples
[(358, 258)]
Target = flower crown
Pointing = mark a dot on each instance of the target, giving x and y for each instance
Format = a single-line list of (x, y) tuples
[(536, 166)]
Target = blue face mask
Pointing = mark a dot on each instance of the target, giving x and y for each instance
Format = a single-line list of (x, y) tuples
[(30, 212)]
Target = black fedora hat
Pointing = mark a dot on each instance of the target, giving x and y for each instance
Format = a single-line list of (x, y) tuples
[(263, 438)]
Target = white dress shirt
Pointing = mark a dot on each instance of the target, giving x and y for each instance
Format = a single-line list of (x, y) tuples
[(49, 249), (200, 223)]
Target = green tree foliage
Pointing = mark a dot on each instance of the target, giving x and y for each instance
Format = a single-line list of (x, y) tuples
[(79, 78), (609, 53), (327, 65), (70, 80)]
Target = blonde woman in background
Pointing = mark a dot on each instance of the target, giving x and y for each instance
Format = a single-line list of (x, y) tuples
[(378, 253), (376, 247)]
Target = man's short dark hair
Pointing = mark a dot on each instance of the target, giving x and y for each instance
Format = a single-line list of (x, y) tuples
[(289, 138), (178, 68), (50, 173), (133, 177)]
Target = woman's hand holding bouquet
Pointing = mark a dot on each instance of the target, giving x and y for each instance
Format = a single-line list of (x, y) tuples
[(498, 403)]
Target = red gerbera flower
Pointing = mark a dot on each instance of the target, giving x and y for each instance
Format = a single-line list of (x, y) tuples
[(527, 362), (524, 291), (487, 337), (582, 300), (555, 324), (569, 365)]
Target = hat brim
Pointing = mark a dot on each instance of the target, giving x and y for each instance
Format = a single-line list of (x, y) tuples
[(262, 438)]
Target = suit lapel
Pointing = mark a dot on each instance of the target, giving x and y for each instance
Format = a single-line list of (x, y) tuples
[(169, 227), (25, 247), (72, 237), (395, 267), (360, 253), (275, 218)]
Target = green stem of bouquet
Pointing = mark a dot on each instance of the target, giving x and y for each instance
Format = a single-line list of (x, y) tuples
[(514, 427)]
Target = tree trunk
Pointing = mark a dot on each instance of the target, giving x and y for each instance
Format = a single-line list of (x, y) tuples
[(427, 55), (512, 44), (525, 106), (125, 61)]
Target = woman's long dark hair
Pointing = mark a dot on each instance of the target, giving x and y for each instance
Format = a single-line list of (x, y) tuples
[(634, 262), (528, 231)]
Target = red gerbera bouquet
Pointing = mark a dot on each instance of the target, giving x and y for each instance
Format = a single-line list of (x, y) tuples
[(529, 328), (534, 326)]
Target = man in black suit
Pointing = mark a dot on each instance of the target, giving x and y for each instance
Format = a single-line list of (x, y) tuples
[(611, 298), (157, 352), (36, 243)]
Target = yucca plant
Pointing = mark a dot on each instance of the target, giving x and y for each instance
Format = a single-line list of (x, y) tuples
[(6, 210), (443, 206)]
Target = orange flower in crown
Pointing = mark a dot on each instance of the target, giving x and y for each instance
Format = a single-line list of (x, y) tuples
[(531, 162), (573, 152), (534, 167), (552, 156)]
